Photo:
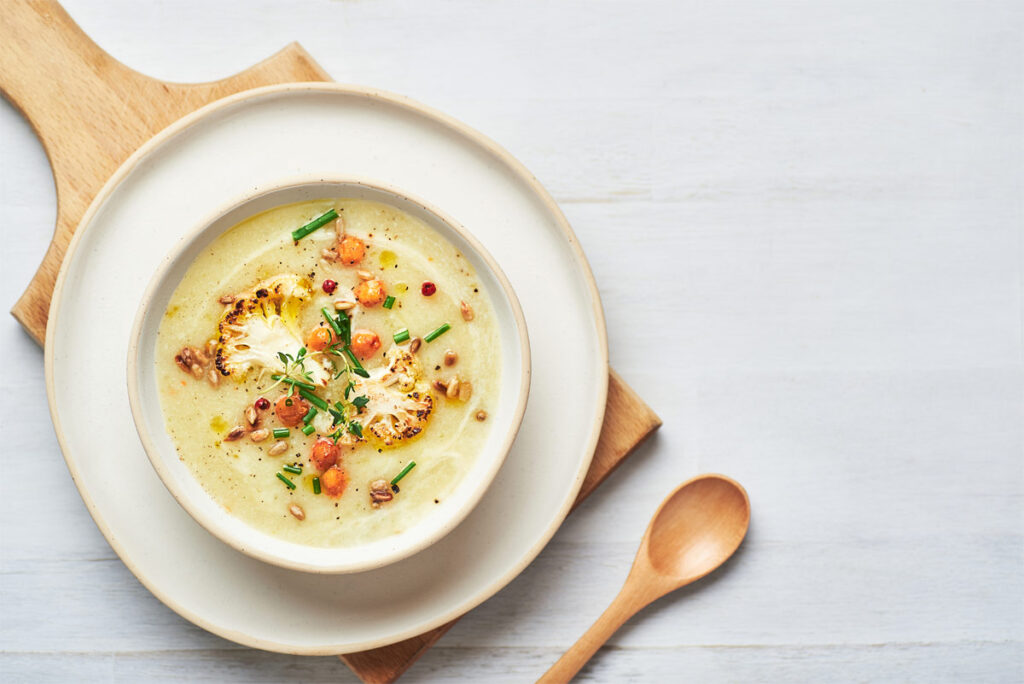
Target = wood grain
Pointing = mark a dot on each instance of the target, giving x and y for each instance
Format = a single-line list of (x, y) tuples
[(628, 422), (91, 112)]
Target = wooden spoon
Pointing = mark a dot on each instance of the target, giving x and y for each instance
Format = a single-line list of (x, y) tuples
[(696, 529)]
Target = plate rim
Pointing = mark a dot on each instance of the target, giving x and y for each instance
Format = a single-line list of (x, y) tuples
[(447, 121)]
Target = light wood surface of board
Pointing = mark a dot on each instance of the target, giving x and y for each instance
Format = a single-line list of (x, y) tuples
[(90, 112), (819, 291)]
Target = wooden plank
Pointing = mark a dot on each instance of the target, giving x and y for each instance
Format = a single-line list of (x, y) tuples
[(958, 661)]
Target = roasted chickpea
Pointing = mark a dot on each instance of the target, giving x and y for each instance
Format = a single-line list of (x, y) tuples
[(325, 453), (291, 410), (351, 250), (320, 338), (333, 481), (365, 343), (370, 292)]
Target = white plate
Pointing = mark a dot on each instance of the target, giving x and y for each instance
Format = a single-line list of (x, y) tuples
[(260, 138)]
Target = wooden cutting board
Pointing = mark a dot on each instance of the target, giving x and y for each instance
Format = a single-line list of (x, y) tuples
[(91, 112)]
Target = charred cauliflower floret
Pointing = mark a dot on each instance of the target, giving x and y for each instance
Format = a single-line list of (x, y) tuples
[(403, 368), (261, 324), (392, 415), (396, 408)]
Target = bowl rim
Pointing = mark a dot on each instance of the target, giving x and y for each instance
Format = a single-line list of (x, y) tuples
[(218, 529)]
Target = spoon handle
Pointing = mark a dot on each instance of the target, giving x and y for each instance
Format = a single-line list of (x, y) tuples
[(621, 609)]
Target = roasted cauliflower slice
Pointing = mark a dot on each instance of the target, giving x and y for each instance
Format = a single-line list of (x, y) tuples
[(260, 325), (392, 415), (403, 368), (400, 416), (396, 408)]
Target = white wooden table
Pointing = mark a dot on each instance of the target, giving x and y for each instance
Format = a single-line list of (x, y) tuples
[(806, 222)]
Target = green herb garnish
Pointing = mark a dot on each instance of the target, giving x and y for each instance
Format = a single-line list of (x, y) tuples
[(282, 478), (357, 367), (331, 321), (405, 471), (401, 336), (318, 222), (355, 428), (281, 433), (310, 415), (434, 334), (292, 469), (389, 302), (316, 484), (345, 323), (341, 324), (361, 401), (293, 381), (312, 398), (308, 430)]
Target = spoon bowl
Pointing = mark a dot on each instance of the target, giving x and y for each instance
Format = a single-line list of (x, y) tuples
[(694, 531), (697, 528)]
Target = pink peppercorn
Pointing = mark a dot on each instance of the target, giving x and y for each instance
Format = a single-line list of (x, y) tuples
[(330, 286), (428, 288), (262, 404)]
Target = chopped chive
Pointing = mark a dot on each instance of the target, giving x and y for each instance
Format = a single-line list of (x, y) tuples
[(281, 433), (310, 415), (389, 302), (345, 323), (293, 381), (282, 478), (312, 398), (433, 335), (405, 471), (316, 484), (401, 336), (331, 322), (318, 222), (292, 469), (358, 367), (308, 430)]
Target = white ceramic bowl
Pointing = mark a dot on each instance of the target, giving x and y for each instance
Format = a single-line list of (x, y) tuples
[(149, 421)]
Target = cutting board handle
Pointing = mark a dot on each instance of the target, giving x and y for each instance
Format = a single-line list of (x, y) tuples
[(91, 112)]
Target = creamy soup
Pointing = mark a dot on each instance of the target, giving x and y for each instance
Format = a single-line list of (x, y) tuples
[(330, 390)]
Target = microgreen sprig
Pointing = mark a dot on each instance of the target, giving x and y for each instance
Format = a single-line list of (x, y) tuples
[(295, 373)]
